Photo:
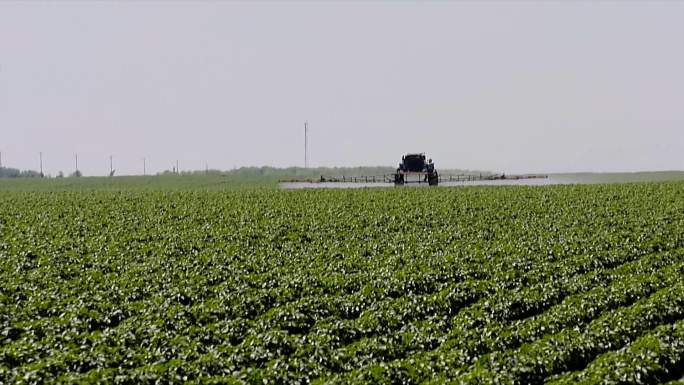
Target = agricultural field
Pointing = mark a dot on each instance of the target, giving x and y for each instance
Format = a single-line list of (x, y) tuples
[(508, 285)]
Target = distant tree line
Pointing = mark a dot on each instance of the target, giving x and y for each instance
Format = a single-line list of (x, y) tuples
[(265, 172), (312, 172), (276, 172), (9, 172), (75, 174)]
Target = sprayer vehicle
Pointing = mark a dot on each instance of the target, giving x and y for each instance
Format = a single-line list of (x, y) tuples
[(414, 168)]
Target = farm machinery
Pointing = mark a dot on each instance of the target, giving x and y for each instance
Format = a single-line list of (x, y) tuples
[(415, 169)]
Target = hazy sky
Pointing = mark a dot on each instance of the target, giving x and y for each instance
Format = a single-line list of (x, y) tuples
[(503, 86)]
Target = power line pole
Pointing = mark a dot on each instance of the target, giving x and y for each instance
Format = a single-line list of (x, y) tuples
[(41, 164), (0, 159), (76, 156), (177, 169), (306, 144), (144, 167), (111, 166)]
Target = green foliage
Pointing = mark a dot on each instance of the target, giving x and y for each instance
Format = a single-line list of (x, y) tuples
[(176, 279)]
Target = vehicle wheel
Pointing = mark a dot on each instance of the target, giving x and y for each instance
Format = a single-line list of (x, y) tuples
[(398, 179), (433, 179)]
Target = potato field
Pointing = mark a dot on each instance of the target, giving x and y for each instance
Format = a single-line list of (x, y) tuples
[(504, 285)]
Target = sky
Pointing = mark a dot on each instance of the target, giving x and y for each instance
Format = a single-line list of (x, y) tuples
[(501, 86)]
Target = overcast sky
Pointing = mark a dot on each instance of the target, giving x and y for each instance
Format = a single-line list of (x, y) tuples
[(501, 86)]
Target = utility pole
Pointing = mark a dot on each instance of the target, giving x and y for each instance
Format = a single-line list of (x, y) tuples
[(76, 156), (41, 164), (144, 167), (306, 144), (206, 168), (0, 159), (177, 169), (111, 166)]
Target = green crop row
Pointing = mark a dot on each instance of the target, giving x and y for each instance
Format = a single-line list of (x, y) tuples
[(650, 359), (572, 348), (465, 342)]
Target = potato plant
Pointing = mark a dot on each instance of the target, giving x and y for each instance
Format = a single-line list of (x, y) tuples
[(516, 285)]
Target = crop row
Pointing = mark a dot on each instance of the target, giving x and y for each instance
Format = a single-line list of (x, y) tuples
[(571, 349), (656, 357), (471, 336)]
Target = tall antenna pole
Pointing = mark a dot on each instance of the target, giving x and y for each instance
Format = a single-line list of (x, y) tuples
[(306, 144), (41, 164)]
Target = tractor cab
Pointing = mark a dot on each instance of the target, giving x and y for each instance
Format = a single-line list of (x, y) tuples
[(414, 168), (413, 163)]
